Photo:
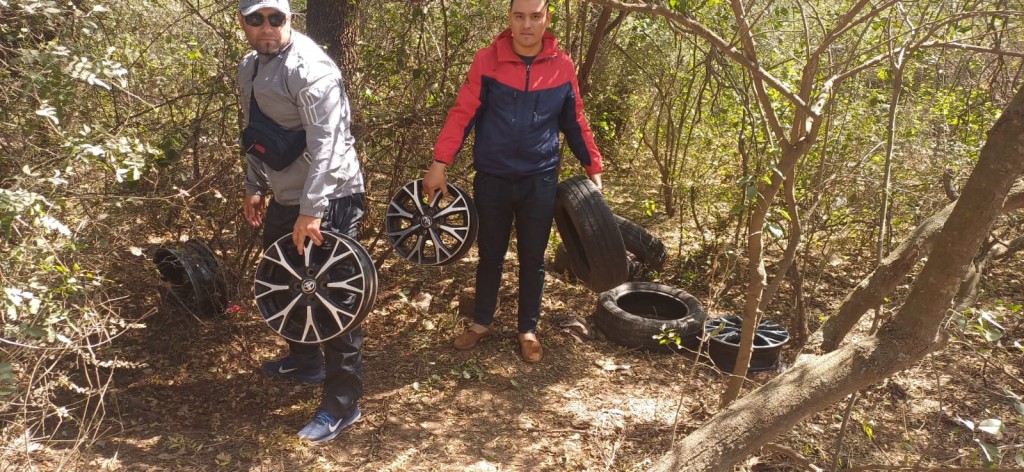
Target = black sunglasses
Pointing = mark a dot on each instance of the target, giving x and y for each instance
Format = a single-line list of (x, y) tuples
[(275, 19)]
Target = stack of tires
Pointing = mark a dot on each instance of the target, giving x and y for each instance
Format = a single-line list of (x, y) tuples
[(607, 253), (590, 250)]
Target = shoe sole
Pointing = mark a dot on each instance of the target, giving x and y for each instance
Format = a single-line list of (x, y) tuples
[(341, 427), (471, 346), (301, 379)]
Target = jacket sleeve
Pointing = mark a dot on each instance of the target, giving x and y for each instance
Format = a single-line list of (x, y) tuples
[(573, 123), (325, 116), (462, 116), (256, 182)]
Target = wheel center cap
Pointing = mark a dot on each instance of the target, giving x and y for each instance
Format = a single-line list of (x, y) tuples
[(308, 286), (426, 221)]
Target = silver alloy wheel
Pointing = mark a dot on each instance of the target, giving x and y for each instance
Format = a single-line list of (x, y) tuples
[(317, 296), (431, 233)]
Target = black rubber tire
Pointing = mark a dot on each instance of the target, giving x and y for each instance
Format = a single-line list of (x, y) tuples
[(724, 343), (634, 312), (591, 236), (560, 263), (647, 250), (197, 284)]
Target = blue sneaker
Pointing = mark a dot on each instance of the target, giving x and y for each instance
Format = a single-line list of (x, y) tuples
[(325, 427), (286, 368)]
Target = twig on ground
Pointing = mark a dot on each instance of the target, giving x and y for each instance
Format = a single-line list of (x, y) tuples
[(804, 462), (842, 431)]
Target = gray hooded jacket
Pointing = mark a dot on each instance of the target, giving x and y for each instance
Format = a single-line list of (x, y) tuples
[(302, 87)]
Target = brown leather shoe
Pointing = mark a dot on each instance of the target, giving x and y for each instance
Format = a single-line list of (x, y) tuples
[(470, 338), (530, 349)]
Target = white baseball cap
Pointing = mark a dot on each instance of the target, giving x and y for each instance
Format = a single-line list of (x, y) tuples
[(246, 7)]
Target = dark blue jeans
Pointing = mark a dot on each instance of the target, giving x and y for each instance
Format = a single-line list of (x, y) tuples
[(344, 354), (529, 202)]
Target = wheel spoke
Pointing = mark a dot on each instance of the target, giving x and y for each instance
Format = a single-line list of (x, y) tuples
[(335, 257), (347, 286), (417, 198), (402, 235), (310, 325), (396, 211), (283, 313), (271, 288), (457, 232), (439, 246), (335, 309), (276, 255), (458, 206), (417, 250)]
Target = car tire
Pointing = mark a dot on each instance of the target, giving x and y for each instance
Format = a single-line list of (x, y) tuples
[(591, 237), (633, 313), (560, 263), (647, 251)]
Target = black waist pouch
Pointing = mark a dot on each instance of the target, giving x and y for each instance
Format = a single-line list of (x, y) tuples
[(270, 142)]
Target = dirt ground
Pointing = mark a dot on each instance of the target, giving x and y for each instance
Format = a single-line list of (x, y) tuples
[(198, 402)]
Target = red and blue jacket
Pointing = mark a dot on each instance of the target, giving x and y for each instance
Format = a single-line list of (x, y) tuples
[(518, 110)]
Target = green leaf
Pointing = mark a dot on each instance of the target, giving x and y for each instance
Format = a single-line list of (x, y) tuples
[(1019, 457), (515, 383), (1017, 405), (868, 430), (991, 426), (989, 453), (34, 331)]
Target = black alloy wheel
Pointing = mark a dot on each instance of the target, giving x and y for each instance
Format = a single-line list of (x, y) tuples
[(322, 294), (431, 233), (724, 343)]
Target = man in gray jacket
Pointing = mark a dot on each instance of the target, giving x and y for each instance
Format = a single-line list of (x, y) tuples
[(295, 84)]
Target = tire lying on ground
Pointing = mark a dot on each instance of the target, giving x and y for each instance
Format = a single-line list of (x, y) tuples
[(724, 343), (634, 312), (592, 240), (647, 251)]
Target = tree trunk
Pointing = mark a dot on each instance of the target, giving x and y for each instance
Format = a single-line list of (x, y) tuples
[(808, 387), (332, 23), (600, 32), (755, 268), (890, 149), (873, 289)]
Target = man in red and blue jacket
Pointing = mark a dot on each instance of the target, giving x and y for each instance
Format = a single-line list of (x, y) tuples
[(520, 93)]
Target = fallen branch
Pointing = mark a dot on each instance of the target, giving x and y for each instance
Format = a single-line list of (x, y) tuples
[(792, 454)]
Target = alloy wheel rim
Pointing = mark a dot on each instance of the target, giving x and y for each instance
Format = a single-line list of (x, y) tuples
[(319, 295), (431, 233)]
